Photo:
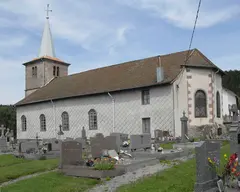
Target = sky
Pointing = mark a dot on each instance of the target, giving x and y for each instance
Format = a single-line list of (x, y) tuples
[(96, 33)]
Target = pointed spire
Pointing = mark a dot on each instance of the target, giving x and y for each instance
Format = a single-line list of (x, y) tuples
[(47, 47)]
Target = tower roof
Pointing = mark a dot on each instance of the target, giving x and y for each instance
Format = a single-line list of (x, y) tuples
[(47, 47)]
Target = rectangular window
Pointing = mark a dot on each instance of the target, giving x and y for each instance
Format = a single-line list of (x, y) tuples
[(145, 97), (146, 125)]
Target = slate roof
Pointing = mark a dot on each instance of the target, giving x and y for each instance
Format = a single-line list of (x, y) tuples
[(129, 75)]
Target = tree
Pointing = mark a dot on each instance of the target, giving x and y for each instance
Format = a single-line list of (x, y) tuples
[(8, 117)]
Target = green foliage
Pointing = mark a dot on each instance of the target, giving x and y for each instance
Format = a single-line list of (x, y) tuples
[(167, 145), (7, 160), (20, 167), (8, 117), (225, 142), (180, 177), (52, 182), (104, 164)]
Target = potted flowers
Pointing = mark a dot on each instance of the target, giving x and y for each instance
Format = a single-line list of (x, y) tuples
[(227, 171)]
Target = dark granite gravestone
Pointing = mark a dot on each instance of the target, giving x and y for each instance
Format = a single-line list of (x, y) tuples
[(82, 141), (71, 153), (84, 135), (206, 178), (98, 144), (234, 131), (158, 135), (142, 141), (121, 137)]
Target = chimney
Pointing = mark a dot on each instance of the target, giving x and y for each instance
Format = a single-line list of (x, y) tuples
[(159, 71)]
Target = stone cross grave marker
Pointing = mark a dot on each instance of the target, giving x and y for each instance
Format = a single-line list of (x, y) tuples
[(184, 127), (206, 178), (84, 135), (71, 153), (2, 129)]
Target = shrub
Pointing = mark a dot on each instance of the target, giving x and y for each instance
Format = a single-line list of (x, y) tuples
[(104, 164)]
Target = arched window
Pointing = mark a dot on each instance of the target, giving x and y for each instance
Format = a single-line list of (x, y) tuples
[(24, 123), (42, 122), (65, 121), (35, 69), (54, 70), (57, 71), (92, 114), (33, 72), (218, 105), (200, 104)]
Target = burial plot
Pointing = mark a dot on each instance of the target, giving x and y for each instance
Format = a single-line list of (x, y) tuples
[(71, 153), (206, 178)]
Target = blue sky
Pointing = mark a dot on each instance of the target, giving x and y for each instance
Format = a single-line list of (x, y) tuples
[(95, 33)]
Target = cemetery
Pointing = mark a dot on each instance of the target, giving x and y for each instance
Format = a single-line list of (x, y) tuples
[(87, 162)]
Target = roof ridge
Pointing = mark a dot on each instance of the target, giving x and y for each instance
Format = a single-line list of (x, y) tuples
[(127, 62)]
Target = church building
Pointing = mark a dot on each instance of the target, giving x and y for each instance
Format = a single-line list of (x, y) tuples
[(134, 97)]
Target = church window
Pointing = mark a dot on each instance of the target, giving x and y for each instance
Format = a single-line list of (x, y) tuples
[(35, 69), (54, 70), (200, 104), (92, 119), (145, 97), (42, 122), (24, 123), (65, 121), (218, 108), (57, 71)]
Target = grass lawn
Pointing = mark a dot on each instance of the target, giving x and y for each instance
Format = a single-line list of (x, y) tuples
[(178, 178), (51, 182), (12, 168), (6, 160), (167, 145)]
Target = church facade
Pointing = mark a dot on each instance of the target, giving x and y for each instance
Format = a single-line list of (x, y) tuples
[(133, 97)]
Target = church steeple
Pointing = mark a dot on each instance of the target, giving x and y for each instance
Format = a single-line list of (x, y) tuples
[(47, 47), (43, 69)]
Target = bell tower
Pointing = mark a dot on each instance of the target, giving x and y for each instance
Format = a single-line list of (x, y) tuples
[(43, 69)]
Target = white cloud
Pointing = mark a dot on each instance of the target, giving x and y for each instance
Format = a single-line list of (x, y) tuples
[(182, 13), (79, 22)]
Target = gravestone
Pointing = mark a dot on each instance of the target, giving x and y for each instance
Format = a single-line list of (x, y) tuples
[(69, 139), (84, 135), (82, 141), (142, 141), (158, 135), (206, 178), (55, 144), (234, 131), (99, 135), (98, 144), (184, 127), (71, 153), (2, 130), (120, 138), (29, 146), (3, 139)]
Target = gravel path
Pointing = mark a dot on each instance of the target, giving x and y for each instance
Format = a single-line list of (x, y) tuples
[(24, 177), (113, 184)]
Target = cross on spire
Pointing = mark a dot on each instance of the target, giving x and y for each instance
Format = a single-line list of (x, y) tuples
[(48, 10)]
